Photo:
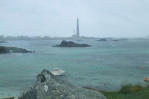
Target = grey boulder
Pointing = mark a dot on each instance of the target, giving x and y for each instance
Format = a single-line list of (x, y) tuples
[(48, 86)]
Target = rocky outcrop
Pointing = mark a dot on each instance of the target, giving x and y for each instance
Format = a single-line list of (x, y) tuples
[(49, 86), (2, 41), (102, 39), (111, 39), (71, 44), (4, 50)]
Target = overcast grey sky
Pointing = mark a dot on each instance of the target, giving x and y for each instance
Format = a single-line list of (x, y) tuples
[(110, 18)]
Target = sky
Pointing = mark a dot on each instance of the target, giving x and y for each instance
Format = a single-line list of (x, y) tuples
[(98, 18)]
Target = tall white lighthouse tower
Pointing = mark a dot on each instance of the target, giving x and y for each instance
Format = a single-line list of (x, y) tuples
[(77, 29)]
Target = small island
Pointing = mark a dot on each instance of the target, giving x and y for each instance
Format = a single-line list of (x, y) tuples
[(4, 50), (71, 44), (1, 41), (112, 39), (102, 39)]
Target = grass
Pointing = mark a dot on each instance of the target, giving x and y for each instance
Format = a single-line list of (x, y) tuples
[(9, 98), (127, 92)]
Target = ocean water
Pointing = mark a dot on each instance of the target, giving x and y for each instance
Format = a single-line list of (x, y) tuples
[(105, 65)]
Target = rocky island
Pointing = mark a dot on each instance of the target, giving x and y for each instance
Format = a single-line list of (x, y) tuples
[(71, 44), (48, 86), (111, 39), (4, 50), (2, 41), (103, 39)]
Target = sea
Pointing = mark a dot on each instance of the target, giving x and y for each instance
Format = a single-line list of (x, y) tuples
[(105, 65)]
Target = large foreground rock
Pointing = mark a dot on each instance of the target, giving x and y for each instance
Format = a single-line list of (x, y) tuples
[(49, 86), (71, 44), (4, 49)]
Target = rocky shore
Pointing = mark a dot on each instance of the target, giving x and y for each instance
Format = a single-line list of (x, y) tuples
[(48, 86)]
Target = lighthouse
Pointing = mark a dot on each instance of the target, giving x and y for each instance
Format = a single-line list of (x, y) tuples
[(77, 29)]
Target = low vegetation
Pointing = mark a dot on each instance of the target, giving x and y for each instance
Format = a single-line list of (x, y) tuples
[(9, 98), (127, 92)]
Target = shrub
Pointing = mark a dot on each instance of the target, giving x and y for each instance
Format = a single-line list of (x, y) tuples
[(147, 85), (136, 88), (125, 89)]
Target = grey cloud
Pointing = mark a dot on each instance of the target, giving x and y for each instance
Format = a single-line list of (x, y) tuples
[(116, 18)]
